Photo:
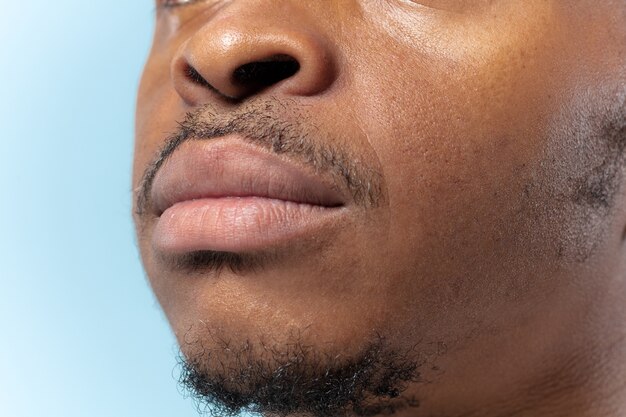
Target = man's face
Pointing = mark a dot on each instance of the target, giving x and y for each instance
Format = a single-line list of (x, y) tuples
[(334, 173)]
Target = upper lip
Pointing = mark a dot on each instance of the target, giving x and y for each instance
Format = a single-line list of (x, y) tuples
[(227, 168)]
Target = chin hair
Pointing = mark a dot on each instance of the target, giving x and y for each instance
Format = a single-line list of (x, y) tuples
[(294, 378)]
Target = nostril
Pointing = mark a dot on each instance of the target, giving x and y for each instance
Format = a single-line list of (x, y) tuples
[(243, 81), (266, 72), (194, 76)]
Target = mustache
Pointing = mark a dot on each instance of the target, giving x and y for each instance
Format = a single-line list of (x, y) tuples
[(262, 125)]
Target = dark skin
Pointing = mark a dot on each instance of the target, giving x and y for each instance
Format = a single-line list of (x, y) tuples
[(492, 135)]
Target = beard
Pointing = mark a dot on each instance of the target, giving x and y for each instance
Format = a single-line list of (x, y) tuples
[(296, 379)]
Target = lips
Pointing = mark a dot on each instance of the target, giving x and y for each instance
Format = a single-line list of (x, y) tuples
[(228, 195)]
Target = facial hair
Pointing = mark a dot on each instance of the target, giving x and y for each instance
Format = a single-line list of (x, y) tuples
[(295, 379)]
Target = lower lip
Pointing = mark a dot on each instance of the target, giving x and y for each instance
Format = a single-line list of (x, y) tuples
[(237, 224)]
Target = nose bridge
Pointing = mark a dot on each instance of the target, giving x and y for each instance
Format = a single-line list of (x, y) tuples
[(252, 46)]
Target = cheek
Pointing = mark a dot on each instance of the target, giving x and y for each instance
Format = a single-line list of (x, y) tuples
[(460, 134), (464, 140), (458, 155), (454, 156)]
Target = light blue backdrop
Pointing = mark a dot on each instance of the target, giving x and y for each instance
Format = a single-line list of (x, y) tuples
[(81, 334)]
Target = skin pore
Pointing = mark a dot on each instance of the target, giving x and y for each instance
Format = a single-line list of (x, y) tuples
[(472, 262)]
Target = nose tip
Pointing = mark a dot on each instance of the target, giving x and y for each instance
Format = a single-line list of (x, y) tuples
[(240, 62)]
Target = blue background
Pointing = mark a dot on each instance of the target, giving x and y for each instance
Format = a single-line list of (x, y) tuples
[(81, 333)]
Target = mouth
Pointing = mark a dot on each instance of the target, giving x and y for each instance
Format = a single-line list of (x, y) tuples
[(230, 196)]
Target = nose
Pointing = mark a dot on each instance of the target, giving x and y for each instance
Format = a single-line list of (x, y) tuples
[(244, 54)]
